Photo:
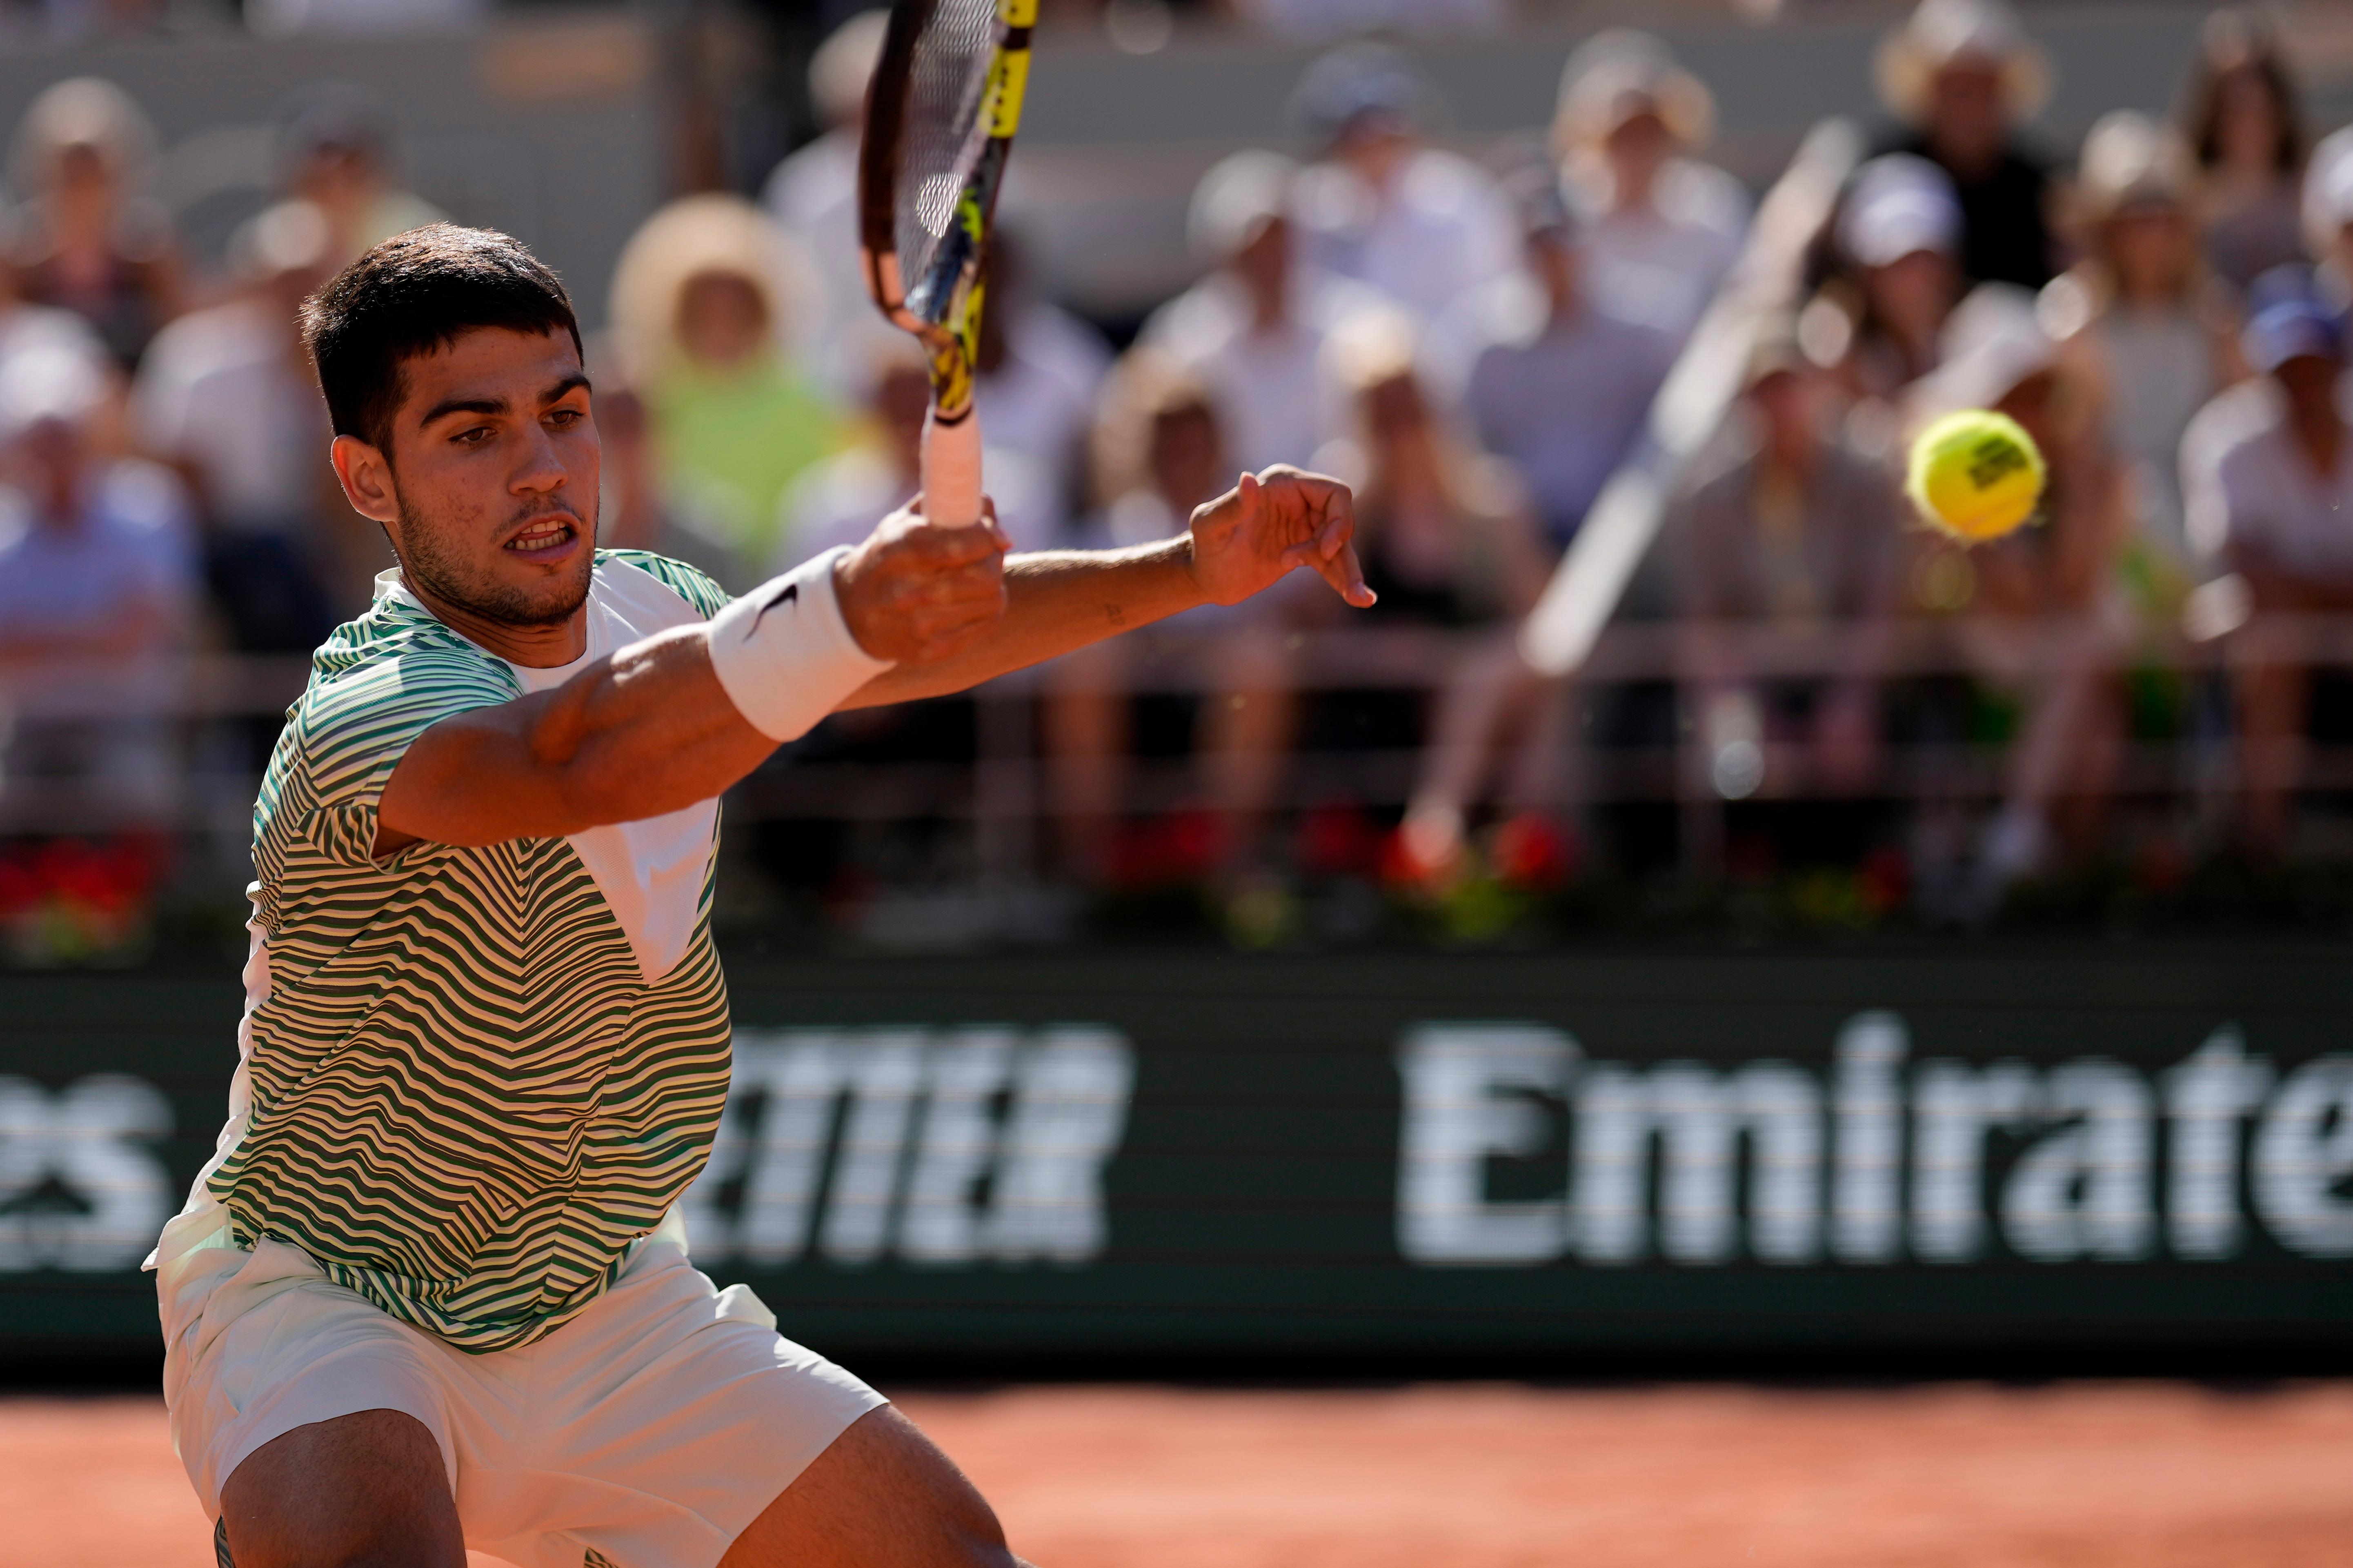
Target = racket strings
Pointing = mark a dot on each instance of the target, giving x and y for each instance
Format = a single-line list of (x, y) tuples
[(942, 139)]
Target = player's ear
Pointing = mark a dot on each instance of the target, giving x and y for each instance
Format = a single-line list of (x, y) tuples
[(366, 475)]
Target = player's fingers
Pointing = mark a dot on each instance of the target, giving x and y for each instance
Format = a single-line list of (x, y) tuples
[(1347, 576), (1339, 513)]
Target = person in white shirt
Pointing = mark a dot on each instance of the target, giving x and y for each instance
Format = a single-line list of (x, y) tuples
[(1160, 447), (824, 507), (1662, 228), (1254, 330), (96, 580), (813, 194), (2267, 469), (1424, 226), (226, 396), (1037, 375), (1556, 384), (1899, 229)]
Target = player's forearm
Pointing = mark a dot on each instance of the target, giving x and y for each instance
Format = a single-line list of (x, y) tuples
[(1056, 601)]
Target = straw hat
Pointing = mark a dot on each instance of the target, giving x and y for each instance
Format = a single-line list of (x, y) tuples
[(1619, 73), (2132, 162), (83, 111), (844, 64), (698, 235), (1943, 33)]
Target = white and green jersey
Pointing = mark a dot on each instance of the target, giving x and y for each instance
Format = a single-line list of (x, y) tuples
[(472, 1078)]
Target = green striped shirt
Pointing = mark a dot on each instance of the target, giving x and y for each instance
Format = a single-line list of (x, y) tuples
[(468, 1099)]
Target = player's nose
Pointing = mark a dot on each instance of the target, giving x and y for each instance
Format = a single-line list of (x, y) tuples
[(540, 465)]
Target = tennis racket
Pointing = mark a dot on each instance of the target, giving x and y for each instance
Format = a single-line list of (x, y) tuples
[(939, 124)]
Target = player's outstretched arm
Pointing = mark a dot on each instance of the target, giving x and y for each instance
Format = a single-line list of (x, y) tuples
[(1266, 527), (678, 717)]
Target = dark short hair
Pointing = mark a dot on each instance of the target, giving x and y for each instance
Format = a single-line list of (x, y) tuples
[(413, 294)]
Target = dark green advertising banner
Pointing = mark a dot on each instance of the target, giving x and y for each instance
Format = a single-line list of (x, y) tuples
[(1395, 1156)]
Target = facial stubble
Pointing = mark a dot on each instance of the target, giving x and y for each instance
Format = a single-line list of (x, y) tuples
[(448, 575)]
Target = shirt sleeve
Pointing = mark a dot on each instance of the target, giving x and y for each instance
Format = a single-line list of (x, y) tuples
[(351, 732)]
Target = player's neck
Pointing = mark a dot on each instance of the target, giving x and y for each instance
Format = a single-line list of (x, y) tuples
[(543, 647)]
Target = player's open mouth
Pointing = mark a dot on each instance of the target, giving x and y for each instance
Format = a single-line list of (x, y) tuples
[(545, 536)]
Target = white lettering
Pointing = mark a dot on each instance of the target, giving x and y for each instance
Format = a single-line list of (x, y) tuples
[(95, 1137), (1954, 1105), (828, 1113), (2304, 1152), (1072, 1090), (957, 1147), (2209, 1098), (1469, 1091), (2082, 1191), (1866, 1212)]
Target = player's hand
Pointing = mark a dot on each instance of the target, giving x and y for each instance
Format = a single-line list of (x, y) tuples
[(1248, 537), (914, 594)]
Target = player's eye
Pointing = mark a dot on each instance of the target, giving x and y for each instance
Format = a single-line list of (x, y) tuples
[(565, 418), (473, 436)]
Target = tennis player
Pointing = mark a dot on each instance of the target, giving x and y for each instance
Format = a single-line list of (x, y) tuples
[(431, 1292)]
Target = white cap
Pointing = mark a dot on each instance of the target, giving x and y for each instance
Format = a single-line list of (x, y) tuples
[(45, 383), (1236, 200), (1899, 204), (1993, 340), (2328, 190)]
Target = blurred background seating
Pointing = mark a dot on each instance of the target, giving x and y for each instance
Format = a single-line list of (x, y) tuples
[(1450, 250)]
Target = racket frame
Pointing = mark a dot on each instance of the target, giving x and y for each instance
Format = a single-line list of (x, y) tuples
[(942, 309)]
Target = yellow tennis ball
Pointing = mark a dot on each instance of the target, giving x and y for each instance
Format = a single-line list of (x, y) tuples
[(1975, 474)]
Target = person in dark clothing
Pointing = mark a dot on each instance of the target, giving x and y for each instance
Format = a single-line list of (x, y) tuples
[(1962, 77)]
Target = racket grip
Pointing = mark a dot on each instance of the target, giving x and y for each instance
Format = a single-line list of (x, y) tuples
[(951, 471)]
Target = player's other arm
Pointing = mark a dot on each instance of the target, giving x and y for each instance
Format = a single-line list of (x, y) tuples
[(653, 728), (1242, 542)]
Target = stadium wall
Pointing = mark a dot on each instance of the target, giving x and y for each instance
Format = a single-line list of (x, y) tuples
[(1389, 1161)]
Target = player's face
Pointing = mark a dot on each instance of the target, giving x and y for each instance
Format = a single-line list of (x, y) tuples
[(494, 468)]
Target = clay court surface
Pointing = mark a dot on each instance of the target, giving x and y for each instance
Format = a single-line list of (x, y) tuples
[(2088, 1476)]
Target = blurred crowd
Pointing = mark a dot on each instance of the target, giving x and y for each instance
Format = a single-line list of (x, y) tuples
[(1476, 345)]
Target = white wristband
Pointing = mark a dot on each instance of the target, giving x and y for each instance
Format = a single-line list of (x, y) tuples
[(784, 654)]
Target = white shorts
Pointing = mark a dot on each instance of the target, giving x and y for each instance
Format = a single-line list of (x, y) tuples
[(649, 1430)]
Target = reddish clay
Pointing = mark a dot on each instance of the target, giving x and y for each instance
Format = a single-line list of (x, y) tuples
[(2087, 1475)]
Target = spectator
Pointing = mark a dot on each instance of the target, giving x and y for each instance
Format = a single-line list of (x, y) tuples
[(335, 146), (2242, 120), (699, 316), (226, 396), (2039, 614), (1162, 454), (1962, 75), (1421, 226), (1038, 372), (1662, 229), (2328, 229), (2268, 468), (813, 194), (1899, 226), (1558, 384), (1255, 327), (1323, 20), (24, 326), (839, 499), (1788, 527), (2144, 331), (1449, 543), (95, 578), (87, 239)]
